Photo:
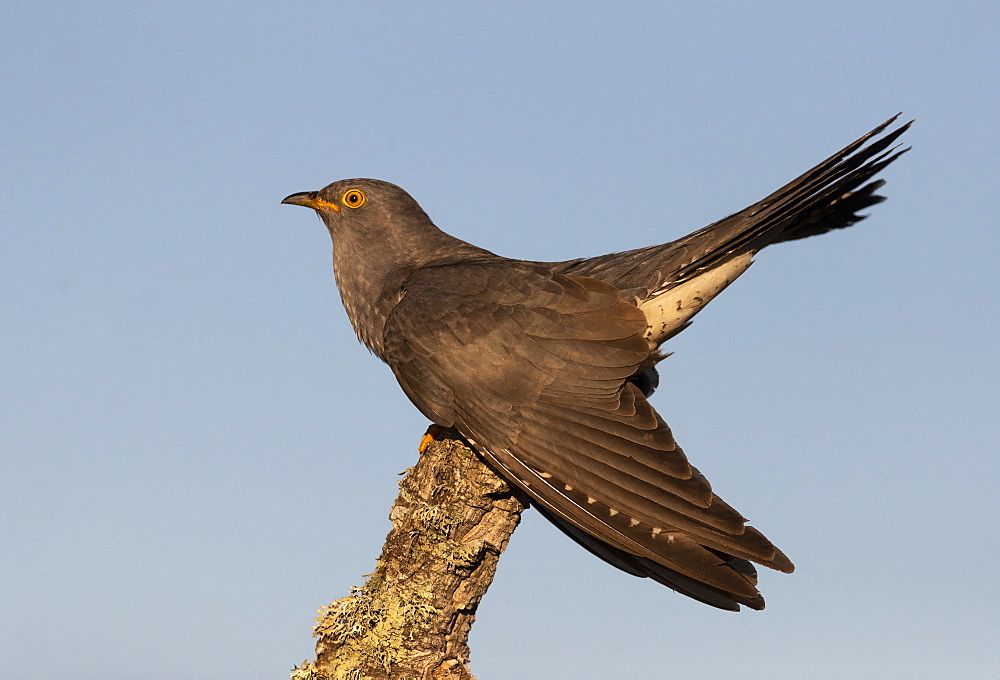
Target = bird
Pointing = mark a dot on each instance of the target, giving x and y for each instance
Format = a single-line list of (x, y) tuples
[(546, 368)]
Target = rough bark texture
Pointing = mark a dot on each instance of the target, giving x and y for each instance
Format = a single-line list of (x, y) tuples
[(411, 619)]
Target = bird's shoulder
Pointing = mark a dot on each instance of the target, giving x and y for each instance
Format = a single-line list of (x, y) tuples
[(461, 302), (510, 329)]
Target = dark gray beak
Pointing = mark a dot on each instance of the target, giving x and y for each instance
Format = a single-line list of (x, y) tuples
[(306, 199)]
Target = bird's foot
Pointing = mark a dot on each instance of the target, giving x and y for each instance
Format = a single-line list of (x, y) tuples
[(432, 433)]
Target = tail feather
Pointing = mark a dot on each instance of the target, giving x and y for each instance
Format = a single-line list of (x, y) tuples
[(827, 197)]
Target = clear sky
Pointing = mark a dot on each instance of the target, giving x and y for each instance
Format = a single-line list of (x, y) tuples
[(197, 454)]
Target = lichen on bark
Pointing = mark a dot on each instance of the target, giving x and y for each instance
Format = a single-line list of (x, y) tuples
[(411, 619)]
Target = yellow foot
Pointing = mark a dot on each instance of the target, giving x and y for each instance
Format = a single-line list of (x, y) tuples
[(432, 432)]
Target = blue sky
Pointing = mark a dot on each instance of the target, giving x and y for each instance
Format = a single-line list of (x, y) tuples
[(196, 453)]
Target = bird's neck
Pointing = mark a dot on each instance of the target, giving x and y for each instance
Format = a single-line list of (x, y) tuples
[(371, 273)]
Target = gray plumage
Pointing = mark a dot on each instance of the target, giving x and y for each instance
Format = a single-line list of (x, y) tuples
[(545, 367)]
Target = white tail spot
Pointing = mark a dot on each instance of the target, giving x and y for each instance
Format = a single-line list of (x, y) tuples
[(666, 312)]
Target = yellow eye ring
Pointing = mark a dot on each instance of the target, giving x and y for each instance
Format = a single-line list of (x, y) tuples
[(353, 198)]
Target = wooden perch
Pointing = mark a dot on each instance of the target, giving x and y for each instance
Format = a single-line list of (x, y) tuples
[(411, 619)]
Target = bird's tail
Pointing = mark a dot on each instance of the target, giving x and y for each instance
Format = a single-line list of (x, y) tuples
[(827, 197)]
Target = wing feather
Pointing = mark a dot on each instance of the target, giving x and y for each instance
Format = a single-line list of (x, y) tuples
[(533, 368)]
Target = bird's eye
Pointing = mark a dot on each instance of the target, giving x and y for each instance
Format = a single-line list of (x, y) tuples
[(353, 199)]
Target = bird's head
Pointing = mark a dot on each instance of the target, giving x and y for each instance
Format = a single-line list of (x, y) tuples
[(362, 207)]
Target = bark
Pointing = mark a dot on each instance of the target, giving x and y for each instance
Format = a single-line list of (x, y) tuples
[(411, 619)]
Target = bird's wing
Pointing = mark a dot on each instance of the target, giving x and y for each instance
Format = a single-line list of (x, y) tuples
[(533, 367), (827, 197)]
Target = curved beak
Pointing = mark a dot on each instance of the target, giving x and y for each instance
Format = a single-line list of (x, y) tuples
[(308, 199)]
